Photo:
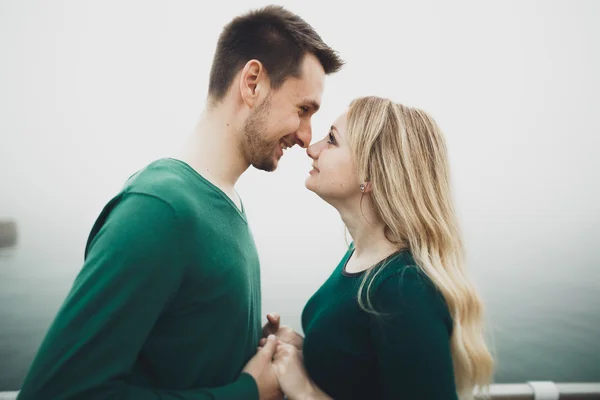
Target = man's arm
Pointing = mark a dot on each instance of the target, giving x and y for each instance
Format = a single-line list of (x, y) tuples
[(133, 269)]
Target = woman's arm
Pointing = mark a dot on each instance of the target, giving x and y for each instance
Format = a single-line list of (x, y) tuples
[(411, 339)]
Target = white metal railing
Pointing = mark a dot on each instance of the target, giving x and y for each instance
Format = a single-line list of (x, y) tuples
[(544, 391), (509, 391)]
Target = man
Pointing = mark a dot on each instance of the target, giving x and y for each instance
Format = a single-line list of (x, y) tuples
[(167, 304)]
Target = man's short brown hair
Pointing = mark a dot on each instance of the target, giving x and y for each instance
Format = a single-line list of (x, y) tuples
[(276, 37)]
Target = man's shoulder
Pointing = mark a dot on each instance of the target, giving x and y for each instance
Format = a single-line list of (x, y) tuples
[(166, 179), (160, 192)]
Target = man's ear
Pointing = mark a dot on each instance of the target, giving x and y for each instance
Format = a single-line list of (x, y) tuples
[(253, 83)]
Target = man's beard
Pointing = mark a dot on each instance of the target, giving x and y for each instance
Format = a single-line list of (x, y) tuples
[(258, 150)]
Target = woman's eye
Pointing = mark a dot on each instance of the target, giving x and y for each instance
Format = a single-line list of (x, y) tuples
[(331, 138)]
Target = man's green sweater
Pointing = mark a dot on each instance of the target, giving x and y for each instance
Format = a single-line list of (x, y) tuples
[(167, 304)]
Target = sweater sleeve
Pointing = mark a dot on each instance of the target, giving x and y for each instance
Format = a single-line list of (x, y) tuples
[(412, 339), (133, 268)]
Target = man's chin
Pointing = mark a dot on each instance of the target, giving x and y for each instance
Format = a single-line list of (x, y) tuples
[(266, 165)]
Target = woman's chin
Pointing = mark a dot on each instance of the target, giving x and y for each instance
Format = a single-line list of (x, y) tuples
[(309, 185)]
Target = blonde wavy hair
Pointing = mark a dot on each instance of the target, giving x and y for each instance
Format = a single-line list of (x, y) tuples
[(402, 153)]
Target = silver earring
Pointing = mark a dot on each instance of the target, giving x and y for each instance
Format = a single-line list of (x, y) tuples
[(362, 187)]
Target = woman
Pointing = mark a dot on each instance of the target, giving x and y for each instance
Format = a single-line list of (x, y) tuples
[(399, 317)]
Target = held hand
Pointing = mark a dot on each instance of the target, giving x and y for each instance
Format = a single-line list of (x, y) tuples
[(272, 325), (289, 370), (283, 333), (260, 368)]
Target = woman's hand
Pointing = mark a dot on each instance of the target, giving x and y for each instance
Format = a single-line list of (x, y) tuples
[(289, 369), (290, 372)]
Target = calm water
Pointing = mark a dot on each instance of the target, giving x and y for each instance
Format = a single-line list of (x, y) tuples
[(546, 328)]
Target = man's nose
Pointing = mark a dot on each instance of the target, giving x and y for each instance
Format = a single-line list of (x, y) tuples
[(304, 135)]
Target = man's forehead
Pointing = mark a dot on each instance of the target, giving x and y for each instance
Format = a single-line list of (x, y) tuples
[(309, 91), (308, 87), (311, 80)]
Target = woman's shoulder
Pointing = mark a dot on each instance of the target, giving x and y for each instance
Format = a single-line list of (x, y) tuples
[(402, 284), (396, 267)]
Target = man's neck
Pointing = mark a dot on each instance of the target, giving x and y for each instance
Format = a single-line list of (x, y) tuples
[(214, 149)]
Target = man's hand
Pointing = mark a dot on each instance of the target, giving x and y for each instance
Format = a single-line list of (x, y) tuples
[(283, 333), (260, 368), (292, 376)]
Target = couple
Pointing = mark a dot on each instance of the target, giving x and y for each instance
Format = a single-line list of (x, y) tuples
[(168, 302)]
